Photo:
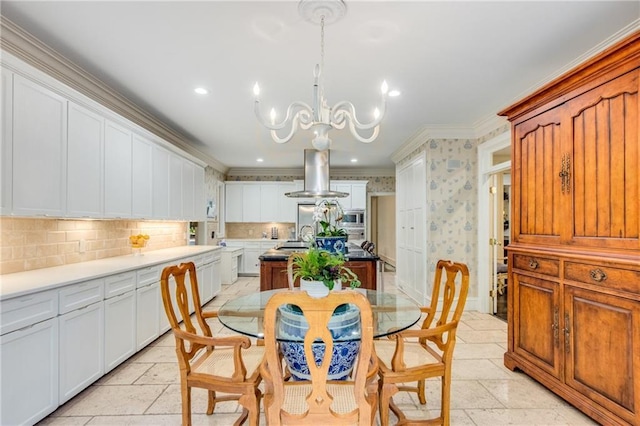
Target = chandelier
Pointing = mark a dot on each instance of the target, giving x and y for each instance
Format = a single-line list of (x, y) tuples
[(319, 116)]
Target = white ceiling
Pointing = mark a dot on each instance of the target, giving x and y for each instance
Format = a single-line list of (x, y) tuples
[(456, 63)]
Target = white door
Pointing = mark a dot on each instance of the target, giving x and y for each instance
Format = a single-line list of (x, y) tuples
[(119, 329), (148, 312)]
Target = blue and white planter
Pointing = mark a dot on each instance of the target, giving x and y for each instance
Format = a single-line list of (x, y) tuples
[(345, 322), (332, 244)]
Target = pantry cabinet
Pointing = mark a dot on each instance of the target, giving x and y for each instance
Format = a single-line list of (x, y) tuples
[(39, 153), (574, 258)]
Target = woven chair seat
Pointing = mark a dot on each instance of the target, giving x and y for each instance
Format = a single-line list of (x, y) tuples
[(295, 400), (414, 354), (220, 361)]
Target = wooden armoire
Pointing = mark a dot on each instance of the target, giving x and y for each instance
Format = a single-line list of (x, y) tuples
[(574, 259)]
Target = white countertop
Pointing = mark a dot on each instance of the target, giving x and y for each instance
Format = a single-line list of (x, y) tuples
[(20, 283)]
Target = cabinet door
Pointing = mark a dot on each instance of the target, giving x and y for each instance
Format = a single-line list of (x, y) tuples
[(251, 263), (117, 171), (269, 200), (359, 196), (199, 198), (6, 141), (29, 371), (119, 329), (216, 277), (84, 163), (346, 201), (175, 187), (141, 200), (536, 184), (287, 206), (205, 282), (604, 191), (148, 312), (536, 322), (188, 191), (39, 150), (81, 349), (602, 343), (160, 185), (251, 203), (233, 203)]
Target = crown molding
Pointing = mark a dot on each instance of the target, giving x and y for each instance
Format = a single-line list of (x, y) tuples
[(298, 173), (266, 171), (24, 46)]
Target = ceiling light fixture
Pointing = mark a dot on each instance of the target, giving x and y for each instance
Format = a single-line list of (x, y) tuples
[(201, 90), (320, 117)]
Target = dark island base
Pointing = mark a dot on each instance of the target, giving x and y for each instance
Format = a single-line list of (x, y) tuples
[(273, 273)]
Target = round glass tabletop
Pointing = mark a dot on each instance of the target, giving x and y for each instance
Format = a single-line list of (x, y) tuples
[(392, 313)]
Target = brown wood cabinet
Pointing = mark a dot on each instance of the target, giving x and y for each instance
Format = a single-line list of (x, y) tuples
[(574, 259)]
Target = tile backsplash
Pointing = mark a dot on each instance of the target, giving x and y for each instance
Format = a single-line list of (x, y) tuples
[(28, 244), (255, 230)]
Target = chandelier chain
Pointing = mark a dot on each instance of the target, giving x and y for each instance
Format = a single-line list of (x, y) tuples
[(322, 48)]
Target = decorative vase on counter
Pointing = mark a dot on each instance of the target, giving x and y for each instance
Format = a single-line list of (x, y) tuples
[(332, 244), (317, 288), (293, 326)]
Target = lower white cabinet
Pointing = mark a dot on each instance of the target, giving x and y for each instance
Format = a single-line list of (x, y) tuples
[(119, 329), (148, 311), (216, 279), (251, 263), (229, 264), (81, 349), (29, 371), (205, 282)]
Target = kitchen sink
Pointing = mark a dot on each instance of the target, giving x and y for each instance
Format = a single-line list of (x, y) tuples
[(293, 245)]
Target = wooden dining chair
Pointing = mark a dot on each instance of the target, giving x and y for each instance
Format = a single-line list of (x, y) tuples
[(415, 355), (290, 267), (319, 401), (228, 364)]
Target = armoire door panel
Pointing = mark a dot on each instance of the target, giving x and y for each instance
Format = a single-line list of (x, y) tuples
[(605, 160), (537, 145), (611, 380)]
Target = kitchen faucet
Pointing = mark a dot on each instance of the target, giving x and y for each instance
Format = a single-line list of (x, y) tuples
[(302, 234)]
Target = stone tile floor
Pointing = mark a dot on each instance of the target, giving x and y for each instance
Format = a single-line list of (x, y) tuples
[(145, 389)]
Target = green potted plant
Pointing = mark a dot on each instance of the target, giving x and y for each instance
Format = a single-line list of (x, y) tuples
[(328, 214), (318, 265)]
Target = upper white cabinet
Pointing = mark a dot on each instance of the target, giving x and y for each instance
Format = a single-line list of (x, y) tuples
[(64, 155), (39, 150), (269, 201), (251, 206), (6, 141), (260, 202), (85, 159), (357, 190), (117, 171), (233, 202), (286, 207), (142, 191)]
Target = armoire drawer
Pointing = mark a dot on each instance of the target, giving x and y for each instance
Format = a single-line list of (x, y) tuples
[(605, 276), (540, 265)]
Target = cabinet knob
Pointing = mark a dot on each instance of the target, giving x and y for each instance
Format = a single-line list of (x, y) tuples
[(598, 275), (533, 264)]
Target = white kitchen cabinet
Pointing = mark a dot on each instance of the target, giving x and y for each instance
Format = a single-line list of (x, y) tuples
[(233, 202), (6, 141), (357, 190), (269, 200), (188, 193), (148, 311), (343, 187), (251, 206), (251, 263), (119, 329), (287, 207), (216, 274), (29, 371), (359, 195), (175, 187), (141, 178), (81, 349), (205, 281), (199, 198), (39, 150), (160, 185), (117, 171), (85, 159), (231, 259)]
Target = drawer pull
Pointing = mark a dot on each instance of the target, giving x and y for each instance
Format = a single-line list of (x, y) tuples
[(533, 264), (598, 275)]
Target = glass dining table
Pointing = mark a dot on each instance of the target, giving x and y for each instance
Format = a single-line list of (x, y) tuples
[(392, 313)]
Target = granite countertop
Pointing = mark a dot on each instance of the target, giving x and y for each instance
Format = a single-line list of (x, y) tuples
[(354, 253), (20, 283)]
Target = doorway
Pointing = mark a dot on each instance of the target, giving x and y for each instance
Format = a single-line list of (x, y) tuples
[(494, 210), (381, 229)]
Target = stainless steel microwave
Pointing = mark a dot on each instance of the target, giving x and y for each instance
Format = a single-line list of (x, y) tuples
[(353, 218)]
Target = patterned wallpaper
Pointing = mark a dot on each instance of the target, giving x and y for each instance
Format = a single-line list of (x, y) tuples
[(374, 184)]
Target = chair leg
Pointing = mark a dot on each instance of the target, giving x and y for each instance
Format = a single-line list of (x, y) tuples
[(446, 398), (385, 392), (186, 403), (251, 402), (421, 396), (211, 405)]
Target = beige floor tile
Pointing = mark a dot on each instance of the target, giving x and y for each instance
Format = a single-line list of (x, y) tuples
[(65, 421), (464, 394), (170, 402), (156, 354), (477, 369), (125, 374), (525, 393), (526, 417), (482, 336), (477, 350), (150, 419), (110, 400), (161, 374), (487, 324)]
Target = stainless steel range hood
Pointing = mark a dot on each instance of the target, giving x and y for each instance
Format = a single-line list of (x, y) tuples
[(316, 177)]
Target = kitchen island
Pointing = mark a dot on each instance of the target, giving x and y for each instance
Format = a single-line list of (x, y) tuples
[(273, 266)]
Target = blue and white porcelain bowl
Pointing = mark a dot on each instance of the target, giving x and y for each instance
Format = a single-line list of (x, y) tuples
[(344, 322)]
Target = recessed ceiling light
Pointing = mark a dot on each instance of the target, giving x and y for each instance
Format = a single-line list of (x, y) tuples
[(201, 90), (354, 160), (394, 93), (259, 160)]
